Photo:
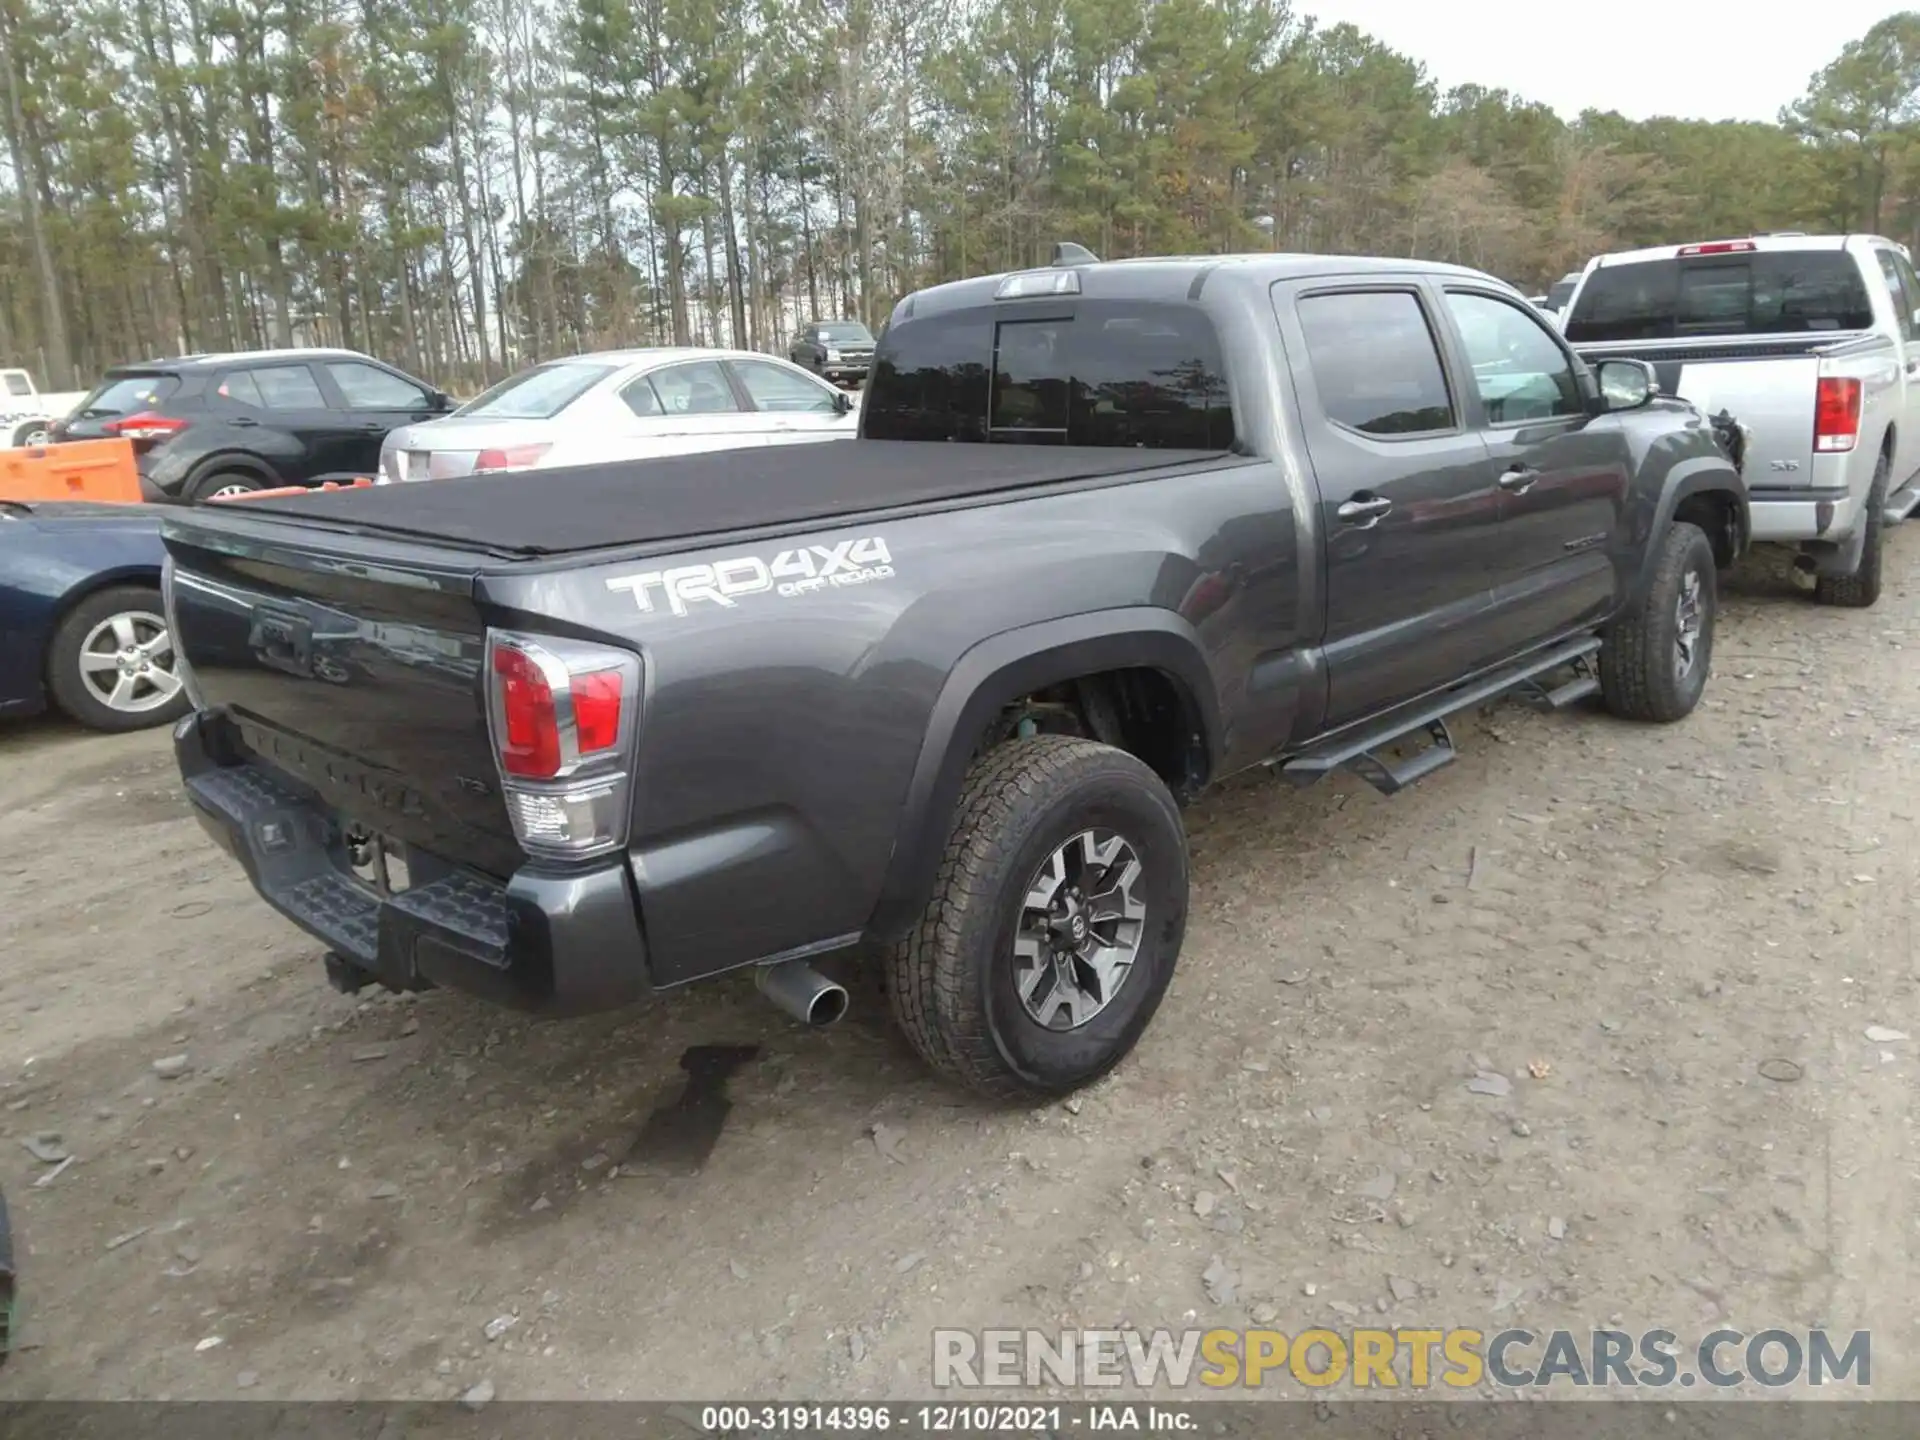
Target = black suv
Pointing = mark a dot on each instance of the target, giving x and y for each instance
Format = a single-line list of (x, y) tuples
[(836, 350), (207, 425)]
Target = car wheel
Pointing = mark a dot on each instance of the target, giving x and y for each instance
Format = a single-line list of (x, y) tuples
[(1655, 659), (112, 665), (222, 484), (1862, 588), (1055, 922), (33, 432)]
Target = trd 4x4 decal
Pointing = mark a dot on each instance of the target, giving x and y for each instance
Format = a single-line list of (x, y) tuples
[(789, 573)]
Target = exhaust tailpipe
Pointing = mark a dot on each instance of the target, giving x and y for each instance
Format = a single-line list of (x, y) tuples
[(803, 992)]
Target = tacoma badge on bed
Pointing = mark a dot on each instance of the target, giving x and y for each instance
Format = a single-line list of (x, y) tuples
[(1109, 533)]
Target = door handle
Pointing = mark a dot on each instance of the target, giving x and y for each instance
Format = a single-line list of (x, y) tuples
[(1519, 479), (1365, 513)]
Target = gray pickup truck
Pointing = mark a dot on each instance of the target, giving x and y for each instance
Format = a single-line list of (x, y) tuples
[(1110, 533), (1813, 342)]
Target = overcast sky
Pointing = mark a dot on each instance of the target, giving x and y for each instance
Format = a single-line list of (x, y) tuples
[(1700, 59)]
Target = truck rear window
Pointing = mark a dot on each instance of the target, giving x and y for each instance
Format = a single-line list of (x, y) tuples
[(1096, 372), (1763, 293)]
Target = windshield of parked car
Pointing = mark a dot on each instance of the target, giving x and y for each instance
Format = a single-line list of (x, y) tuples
[(127, 395), (847, 334), (1756, 293), (537, 394), (1095, 372)]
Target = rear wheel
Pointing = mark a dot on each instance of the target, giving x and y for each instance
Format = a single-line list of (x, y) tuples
[(31, 433), (1055, 922), (1655, 658), (1862, 588), (112, 665), (222, 484)]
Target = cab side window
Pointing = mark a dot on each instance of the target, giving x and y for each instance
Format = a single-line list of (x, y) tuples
[(1375, 363), (1521, 373), (1900, 284)]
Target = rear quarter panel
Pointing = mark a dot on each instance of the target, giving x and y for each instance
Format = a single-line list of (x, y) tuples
[(784, 731), (208, 446)]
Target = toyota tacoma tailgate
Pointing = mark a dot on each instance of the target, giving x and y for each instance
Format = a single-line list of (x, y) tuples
[(343, 749)]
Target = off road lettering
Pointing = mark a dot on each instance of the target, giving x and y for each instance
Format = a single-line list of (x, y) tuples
[(798, 572)]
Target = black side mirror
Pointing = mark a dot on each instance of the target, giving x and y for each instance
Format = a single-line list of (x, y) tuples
[(843, 402), (1625, 384), (444, 403)]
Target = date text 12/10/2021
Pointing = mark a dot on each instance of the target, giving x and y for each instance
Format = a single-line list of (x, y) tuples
[(943, 1419)]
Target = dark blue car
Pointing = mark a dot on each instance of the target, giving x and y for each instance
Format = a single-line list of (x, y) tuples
[(82, 626)]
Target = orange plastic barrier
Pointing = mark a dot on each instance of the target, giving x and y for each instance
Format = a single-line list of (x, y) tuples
[(80, 470), (361, 484)]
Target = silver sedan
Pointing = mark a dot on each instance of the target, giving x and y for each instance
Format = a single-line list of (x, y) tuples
[(623, 405)]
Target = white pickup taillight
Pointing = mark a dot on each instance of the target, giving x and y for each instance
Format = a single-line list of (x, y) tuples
[(1836, 414), (563, 715)]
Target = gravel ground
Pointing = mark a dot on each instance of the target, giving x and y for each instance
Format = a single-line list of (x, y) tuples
[(1622, 924)]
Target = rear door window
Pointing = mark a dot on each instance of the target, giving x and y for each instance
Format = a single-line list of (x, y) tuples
[(1376, 364), (638, 396), (1767, 292), (697, 388), (1096, 372), (273, 387)]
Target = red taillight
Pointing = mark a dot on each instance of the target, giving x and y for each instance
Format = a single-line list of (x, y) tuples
[(596, 710), (144, 426), (1836, 413), (512, 457), (564, 715), (1718, 247), (529, 736)]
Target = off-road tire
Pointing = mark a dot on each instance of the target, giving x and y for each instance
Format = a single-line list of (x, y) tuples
[(1862, 588), (207, 486), (950, 981), (1638, 679), (70, 692)]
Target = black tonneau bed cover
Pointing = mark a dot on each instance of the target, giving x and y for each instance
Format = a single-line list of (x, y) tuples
[(635, 502)]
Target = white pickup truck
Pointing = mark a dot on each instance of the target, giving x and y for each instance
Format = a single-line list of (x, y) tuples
[(1812, 342), (26, 414)]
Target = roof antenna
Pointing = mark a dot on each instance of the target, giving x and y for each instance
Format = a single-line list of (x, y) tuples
[(1065, 252)]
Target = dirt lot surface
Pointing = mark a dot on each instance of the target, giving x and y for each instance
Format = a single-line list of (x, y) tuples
[(340, 1194)]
